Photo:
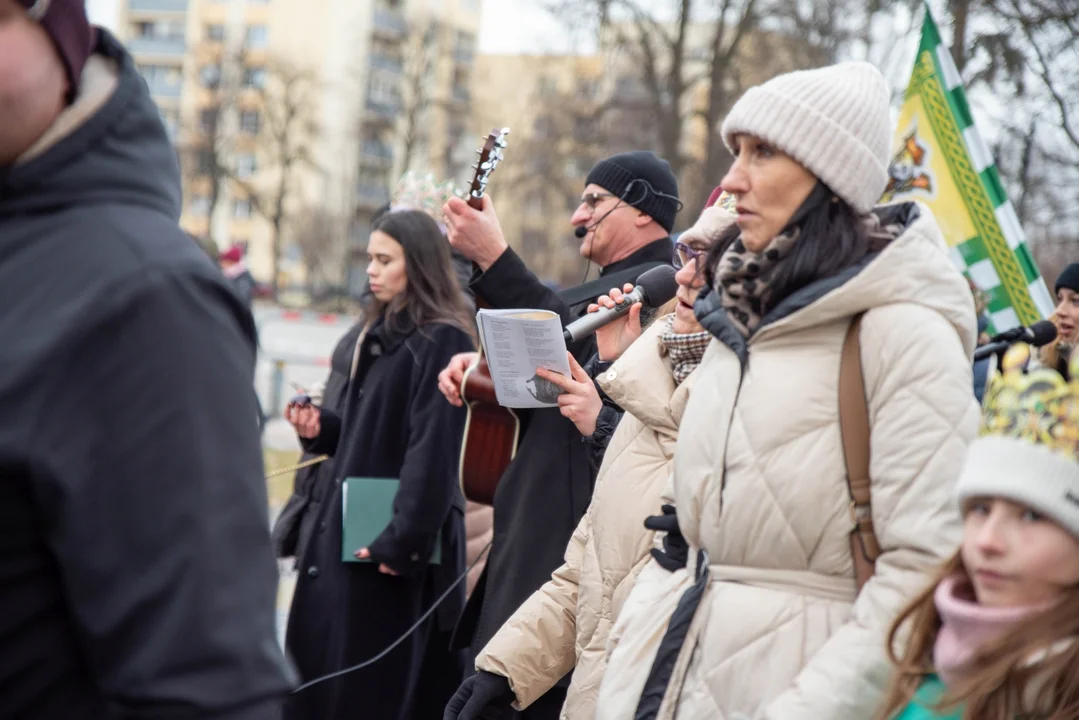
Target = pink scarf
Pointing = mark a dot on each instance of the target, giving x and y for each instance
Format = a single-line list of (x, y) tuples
[(967, 625)]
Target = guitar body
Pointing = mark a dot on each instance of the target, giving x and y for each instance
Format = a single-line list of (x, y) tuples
[(491, 436)]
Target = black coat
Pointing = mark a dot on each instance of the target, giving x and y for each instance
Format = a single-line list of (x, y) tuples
[(548, 486), (395, 424), (137, 578), (296, 524)]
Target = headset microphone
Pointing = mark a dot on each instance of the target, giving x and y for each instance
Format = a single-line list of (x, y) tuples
[(582, 230)]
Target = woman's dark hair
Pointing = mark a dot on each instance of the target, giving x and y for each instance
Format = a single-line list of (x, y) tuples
[(833, 237), (433, 293)]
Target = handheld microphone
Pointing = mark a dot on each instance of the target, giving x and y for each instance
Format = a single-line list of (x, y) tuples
[(1038, 334), (654, 288)]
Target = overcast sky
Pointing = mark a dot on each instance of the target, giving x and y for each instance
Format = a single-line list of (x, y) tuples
[(509, 26)]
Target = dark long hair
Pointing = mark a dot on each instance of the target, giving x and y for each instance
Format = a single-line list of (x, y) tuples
[(433, 293), (833, 237)]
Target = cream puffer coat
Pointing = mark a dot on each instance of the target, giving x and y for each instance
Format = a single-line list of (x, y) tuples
[(566, 622), (760, 484), (479, 529)]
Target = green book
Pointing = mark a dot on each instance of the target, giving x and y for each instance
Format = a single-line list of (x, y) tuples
[(366, 510)]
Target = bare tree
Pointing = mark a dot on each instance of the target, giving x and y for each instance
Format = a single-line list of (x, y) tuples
[(681, 59), (421, 54), (322, 236), (209, 139), (286, 141), (1026, 49)]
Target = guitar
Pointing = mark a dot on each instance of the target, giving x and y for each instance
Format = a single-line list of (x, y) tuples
[(491, 431)]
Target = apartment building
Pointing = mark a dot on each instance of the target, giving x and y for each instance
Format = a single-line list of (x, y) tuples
[(221, 72)]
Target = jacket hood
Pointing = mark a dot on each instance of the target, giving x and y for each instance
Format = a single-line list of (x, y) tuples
[(914, 268), (106, 146)]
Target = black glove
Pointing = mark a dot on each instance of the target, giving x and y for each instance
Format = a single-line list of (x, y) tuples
[(477, 693), (675, 550)]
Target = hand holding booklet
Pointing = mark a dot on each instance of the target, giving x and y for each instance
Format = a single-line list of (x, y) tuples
[(515, 343)]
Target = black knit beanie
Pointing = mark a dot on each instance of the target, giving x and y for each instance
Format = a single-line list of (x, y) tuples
[(1069, 278), (617, 174), (67, 24)]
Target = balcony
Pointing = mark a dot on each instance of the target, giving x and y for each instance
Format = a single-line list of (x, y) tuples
[(382, 111), (371, 196), (390, 24), (158, 6), (171, 47), (461, 95), (376, 154), (384, 62), (464, 56), (161, 89)]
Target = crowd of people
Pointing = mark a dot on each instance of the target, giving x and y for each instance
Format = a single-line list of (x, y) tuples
[(776, 496)]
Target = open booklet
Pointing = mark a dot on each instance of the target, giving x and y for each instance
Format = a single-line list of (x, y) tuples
[(516, 342)]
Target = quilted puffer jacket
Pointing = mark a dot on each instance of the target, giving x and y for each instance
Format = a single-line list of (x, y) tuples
[(566, 622), (760, 485), (479, 529)]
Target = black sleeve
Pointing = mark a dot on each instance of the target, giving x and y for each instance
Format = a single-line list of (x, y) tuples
[(157, 508), (328, 435), (609, 415), (428, 479), (509, 284)]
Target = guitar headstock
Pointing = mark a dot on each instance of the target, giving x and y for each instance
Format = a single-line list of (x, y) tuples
[(491, 155)]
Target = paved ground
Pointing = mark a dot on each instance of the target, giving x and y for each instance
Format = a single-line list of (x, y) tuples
[(305, 342)]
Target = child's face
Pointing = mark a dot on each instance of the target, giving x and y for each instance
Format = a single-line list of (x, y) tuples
[(1016, 556)]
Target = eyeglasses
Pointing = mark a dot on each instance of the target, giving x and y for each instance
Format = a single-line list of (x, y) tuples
[(591, 200), (684, 255)]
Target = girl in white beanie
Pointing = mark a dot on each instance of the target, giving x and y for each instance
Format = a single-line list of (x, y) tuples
[(766, 620), (994, 635)]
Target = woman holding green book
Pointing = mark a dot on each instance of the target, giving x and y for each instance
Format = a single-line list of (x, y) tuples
[(396, 445)]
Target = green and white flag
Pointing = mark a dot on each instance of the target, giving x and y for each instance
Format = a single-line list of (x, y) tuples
[(941, 160)]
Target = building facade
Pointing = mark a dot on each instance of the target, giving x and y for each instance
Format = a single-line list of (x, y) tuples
[(290, 115)]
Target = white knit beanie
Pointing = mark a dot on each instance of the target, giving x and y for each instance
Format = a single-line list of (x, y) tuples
[(833, 120), (1013, 468), (709, 226)]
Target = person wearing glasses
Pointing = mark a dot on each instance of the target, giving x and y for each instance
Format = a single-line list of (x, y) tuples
[(567, 621), (624, 220)]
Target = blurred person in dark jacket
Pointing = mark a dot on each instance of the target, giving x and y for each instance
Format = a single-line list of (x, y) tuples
[(137, 577)]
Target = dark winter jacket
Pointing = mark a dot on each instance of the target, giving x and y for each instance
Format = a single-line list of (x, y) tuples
[(395, 424), (298, 519), (547, 487), (137, 579)]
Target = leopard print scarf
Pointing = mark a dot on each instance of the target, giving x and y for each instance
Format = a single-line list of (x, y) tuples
[(743, 278)]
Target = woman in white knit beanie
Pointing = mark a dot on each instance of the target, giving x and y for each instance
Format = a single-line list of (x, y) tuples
[(767, 619)]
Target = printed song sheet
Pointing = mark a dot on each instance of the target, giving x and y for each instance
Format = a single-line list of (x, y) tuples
[(516, 342)]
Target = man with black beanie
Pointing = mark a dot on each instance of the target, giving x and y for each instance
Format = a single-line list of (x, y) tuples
[(624, 220), (137, 578)]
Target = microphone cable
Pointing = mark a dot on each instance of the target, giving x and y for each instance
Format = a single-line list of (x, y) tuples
[(398, 641)]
